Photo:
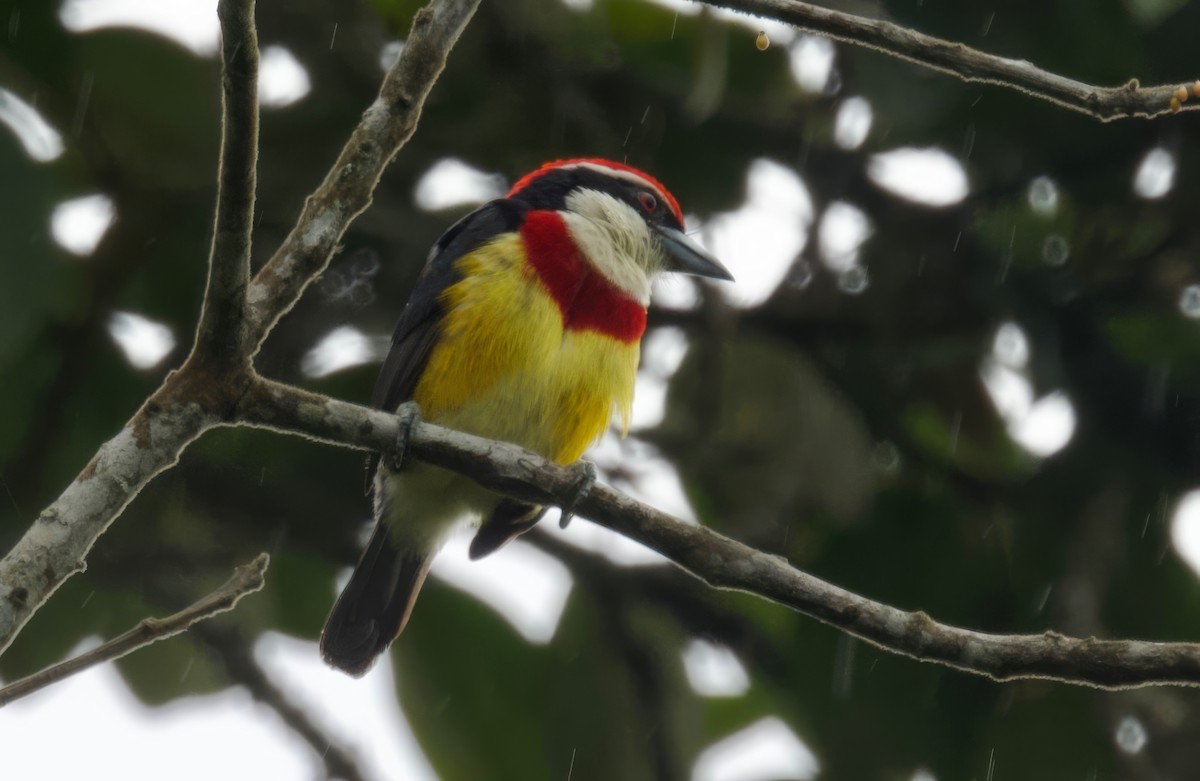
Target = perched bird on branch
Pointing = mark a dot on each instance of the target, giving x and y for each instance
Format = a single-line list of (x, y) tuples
[(525, 327)]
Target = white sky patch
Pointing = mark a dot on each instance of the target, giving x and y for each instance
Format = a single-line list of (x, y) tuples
[(78, 225), (282, 80), (342, 348), (390, 52), (1043, 197), (132, 741), (1185, 529), (649, 401), (1042, 426), (527, 587), (759, 242), (38, 138), (617, 548), (360, 714), (1048, 426), (190, 23), (1189, 302), (578, 5), (662, 352), (776, 31), (927, 177), (842, 231), (812, 62), (1010, 390), (450, 182), (1010, 345), (675, 291), (143, 341), (767, 750), (852, 123), (681, 7), (655, 482), (714, 670), (1155, 175)]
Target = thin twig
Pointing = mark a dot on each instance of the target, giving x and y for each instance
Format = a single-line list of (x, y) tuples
[(246, 579), (728, 564), (348, 188), (972, 65), (220, 335), (241, 666)]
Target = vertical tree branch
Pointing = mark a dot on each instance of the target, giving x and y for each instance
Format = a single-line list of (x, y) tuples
[(221, 332), (204, 393), (346, 191)]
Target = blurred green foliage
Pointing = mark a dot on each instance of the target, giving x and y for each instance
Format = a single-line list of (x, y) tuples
[(849, 433)]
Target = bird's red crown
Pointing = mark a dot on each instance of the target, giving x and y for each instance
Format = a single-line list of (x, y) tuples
[(555, 165)]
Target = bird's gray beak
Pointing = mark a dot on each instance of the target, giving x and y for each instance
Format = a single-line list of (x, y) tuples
[(685, 256)]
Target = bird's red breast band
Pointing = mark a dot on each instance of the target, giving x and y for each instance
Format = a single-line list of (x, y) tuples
[(587, 301), (597, 161)]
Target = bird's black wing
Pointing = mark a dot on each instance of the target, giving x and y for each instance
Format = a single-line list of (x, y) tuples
[(420, 322)]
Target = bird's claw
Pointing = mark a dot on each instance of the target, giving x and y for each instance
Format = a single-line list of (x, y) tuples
[(585, 478), (409, 413)]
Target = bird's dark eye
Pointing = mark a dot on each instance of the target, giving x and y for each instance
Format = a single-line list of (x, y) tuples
[(648, 201)]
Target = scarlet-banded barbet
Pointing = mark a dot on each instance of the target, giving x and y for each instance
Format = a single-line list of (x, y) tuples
[(524, 326)]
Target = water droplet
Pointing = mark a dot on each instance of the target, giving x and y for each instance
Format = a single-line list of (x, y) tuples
[(333, 284), (1155, 174), (1189, 302), (361, 293), (886, 457), (1043, 196), (1131, 735), (854, 280), (801, 274), (364, 263), (1055, 249)]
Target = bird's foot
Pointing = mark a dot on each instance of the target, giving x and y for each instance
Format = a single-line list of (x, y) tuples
[(585, 478), (409, 413)]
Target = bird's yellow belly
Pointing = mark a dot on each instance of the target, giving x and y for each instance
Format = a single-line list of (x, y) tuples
[(505, 368)]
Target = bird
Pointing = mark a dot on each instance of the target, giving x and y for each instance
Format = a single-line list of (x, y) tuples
[(523, 326)]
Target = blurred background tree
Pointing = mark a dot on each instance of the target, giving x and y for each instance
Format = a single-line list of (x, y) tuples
[(955, 373)]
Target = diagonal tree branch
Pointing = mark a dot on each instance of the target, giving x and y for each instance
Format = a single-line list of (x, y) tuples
[(347, 189), (219, 335), (725, 563), (246, 579), (972, 65)]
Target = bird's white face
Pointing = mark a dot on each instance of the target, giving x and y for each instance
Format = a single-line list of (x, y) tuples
[(615, 239), (625, 224)]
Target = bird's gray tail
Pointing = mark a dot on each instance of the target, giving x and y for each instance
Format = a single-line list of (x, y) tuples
[(375, 605)]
